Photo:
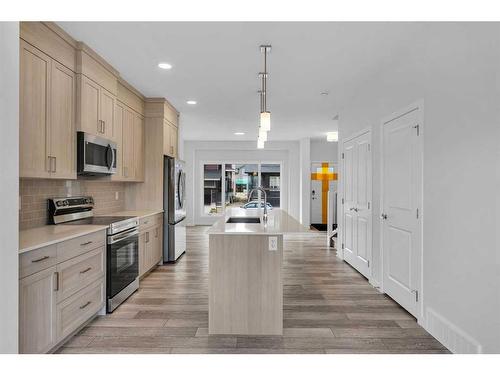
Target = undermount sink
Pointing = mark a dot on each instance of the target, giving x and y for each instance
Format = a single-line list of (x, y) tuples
[(246, 220)]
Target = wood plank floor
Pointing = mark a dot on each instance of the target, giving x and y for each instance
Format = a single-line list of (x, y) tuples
[(328, 308)]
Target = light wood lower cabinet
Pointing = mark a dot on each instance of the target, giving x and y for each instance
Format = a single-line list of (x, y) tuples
[(150, 244), (59, 294), (46, 116), (37, 311)]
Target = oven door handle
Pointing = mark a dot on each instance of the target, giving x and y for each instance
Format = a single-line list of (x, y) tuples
[(123, 236)]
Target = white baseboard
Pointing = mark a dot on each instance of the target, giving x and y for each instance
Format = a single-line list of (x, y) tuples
[(452, 337)]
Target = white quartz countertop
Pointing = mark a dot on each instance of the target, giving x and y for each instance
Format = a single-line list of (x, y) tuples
[(138, 213), (34, 238), (279, 222)]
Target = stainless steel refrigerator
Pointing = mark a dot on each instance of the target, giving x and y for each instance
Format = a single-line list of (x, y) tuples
[(174, 209)]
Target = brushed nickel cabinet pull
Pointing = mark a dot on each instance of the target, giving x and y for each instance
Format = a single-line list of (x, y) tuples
[(40, 259), (103, 126), (55, 164), (85, 305), (86, 270), (57, 281), (86, 243)]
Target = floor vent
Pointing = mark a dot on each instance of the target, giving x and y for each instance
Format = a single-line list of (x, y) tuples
[(455, 339)]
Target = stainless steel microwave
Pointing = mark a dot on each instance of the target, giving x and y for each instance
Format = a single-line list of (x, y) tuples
[(95, 155)]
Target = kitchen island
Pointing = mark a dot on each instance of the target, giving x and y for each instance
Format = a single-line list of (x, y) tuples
[(245, 272)]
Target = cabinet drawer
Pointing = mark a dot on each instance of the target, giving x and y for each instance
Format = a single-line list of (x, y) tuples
[(37, 260), (77, 273), (149, 221), (77, 309), (77, 246)]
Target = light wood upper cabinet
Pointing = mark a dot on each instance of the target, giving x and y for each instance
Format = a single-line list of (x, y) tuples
[(88, 106), (34, 85), (128, 145), (174, 140), (107, 108), (170, 139), (138, 147), (47, 133), (95, 109), (37, 306), (118, 129), (62, 121)]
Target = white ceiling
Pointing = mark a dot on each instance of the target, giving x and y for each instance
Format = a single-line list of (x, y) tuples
[(217, 65)]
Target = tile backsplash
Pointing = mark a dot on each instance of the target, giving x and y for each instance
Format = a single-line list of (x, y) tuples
[(34, 193)]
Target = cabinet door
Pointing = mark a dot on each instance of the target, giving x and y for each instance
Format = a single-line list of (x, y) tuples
[(118, 129), (62, 124), (166, 138), (138, 147), (34, 89), (142, 253), (128, 144), (173, 140), (89, 106), (106, 113), (37, 304), (158, 249)]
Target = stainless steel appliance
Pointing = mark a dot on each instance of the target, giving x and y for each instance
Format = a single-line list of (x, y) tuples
[(122, 259), (174, 209), (95, 155)]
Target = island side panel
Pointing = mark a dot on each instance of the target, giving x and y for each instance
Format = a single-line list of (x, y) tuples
[(245, 285)]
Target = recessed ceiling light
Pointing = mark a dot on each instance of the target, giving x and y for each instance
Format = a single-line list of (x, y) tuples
[(192, 102), (164, 66), (239, 133), (324, 93)]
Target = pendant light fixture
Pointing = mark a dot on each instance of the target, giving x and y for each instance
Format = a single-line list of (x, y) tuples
[(265, 115)]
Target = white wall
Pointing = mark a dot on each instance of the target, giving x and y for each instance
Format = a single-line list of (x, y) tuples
[(321, 150), (454, 68), (195, 152), (9, 186), (305, 183)]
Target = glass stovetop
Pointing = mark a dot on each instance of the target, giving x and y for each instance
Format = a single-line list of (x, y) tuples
[(99, 220)]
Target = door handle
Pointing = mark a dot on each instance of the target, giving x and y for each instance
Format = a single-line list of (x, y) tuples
[(103, 126), (383, 216), (57, 281), (55, 164), (40, 259)]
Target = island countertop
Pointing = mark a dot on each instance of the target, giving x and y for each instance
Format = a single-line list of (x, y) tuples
[(278, 222)]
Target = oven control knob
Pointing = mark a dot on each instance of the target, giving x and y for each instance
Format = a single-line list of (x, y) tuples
[(66, 203), (58, 203)]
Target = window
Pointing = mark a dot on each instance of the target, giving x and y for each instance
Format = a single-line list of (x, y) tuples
[(227, 185), (271, 176), (212, 189)]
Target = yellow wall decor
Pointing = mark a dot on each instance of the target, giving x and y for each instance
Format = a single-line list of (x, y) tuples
[(324, 174)]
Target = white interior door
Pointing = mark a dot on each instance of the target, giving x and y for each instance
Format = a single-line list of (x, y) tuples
[(357, 217), (401, 233)]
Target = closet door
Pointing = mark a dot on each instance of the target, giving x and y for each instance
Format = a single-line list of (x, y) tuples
[(357, 218)]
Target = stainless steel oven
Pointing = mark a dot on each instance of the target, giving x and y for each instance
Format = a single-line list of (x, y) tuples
[(95, 155), (122, 266)]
